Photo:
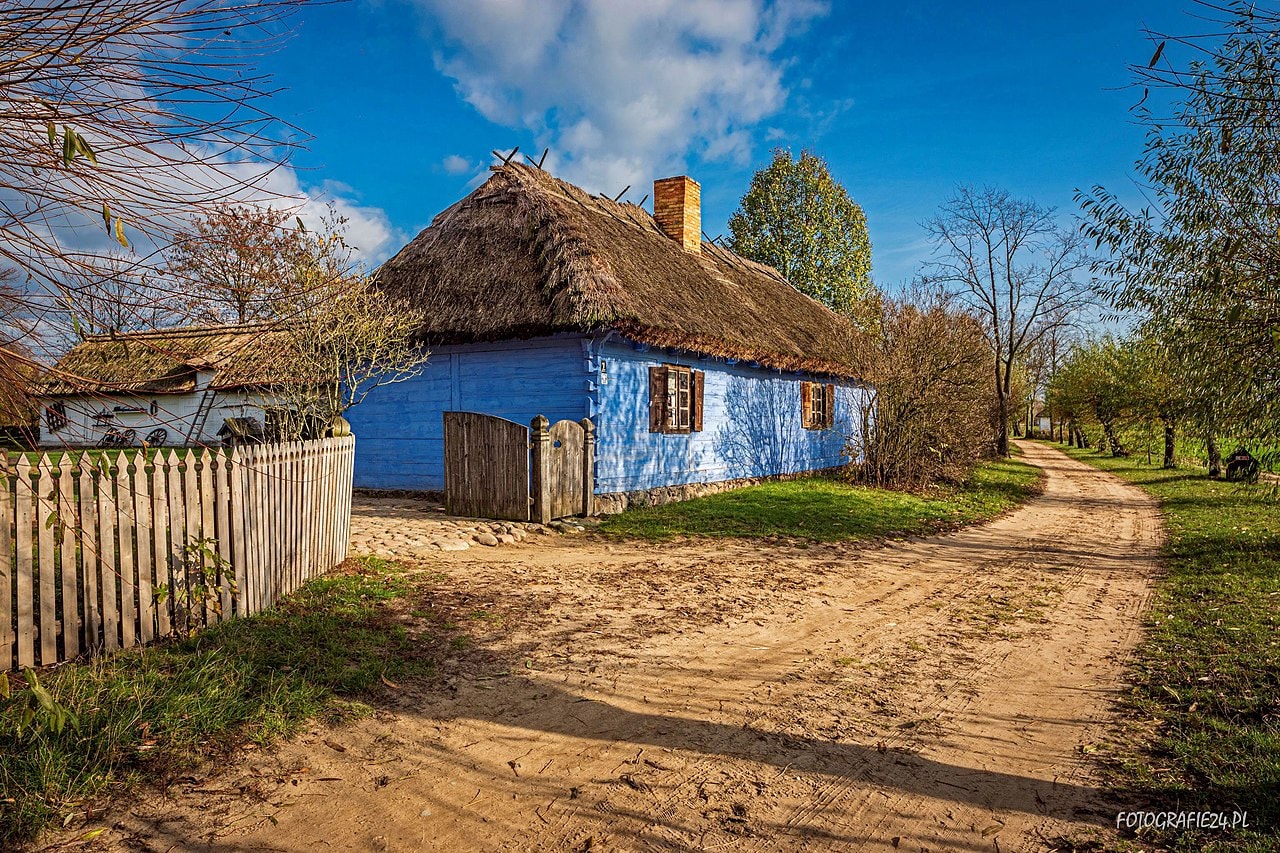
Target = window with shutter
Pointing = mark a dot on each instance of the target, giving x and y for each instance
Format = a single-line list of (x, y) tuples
[(678, 397), (696, 402), (817, 405), (55, 416), (675, 399), (657, 399)]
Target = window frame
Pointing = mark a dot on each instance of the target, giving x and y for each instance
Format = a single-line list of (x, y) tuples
[(680, 389), (55, 416), (817, 405), (679, 403)]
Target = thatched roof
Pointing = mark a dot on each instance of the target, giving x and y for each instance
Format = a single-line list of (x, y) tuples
[(527, 254), (165, 361), (17, 370)]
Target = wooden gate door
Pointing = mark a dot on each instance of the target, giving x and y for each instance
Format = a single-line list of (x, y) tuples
[(486, 466), (564, 469)]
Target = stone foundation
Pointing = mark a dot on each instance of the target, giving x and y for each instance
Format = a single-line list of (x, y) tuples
[(411, 494), (616, 502)]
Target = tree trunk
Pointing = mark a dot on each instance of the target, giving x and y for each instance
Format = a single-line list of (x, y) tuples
[(1169, 461), (1002, 428), (1117, 449), (1215, 455)]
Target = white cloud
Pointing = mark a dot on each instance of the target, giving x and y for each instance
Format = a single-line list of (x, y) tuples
[(456, 164), (622, 91), (368, 229)]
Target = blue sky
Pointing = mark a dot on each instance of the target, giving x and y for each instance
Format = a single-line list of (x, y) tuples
[(905, 100)]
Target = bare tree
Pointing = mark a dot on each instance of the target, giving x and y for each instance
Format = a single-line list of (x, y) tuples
[(931, 415), (120, 118), (114, 297), (240, 263), (345, 340), (335, 336), (1008, 261)]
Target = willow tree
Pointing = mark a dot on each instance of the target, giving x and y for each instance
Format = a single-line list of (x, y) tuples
[(1200, 260), (798, 219)]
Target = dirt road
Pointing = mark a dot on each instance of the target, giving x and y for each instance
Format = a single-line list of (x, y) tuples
[(941, 694)]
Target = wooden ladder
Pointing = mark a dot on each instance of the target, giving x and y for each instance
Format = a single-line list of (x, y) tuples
[(201, 418)]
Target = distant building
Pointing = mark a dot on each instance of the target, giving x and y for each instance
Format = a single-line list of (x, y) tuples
[(167, 387)]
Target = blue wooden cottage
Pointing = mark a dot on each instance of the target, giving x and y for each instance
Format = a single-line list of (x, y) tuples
[(696, 365)]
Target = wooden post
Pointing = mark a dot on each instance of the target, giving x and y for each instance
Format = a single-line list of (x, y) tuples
[(108, 571), (7, 564), (70, 572), (588, 465), (45, 509), (540, 441), (239, 544), (143, 486)]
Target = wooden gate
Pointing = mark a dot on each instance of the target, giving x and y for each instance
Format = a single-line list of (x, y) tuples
[(563, 468), (486, 466), (493, 468)]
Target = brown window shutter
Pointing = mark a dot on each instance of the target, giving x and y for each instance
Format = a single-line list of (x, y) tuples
[(695, 402), (831, 406), (657, 399), (806, 404)]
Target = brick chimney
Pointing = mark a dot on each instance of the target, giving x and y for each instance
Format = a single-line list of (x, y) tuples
[(677, 206)]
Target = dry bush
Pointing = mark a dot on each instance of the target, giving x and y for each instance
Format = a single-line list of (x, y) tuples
[(933, 413)]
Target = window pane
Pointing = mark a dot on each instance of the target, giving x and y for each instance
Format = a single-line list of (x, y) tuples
[(673, 415)]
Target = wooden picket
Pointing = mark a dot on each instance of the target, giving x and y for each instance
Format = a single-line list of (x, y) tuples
[(101, 551)]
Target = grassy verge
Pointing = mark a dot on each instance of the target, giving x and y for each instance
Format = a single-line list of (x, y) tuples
[(823, 510), (155, 712), (1206, 681), (55, 455)]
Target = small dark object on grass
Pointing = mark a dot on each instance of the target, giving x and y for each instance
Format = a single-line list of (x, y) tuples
[(1242, 467), (119, 438)]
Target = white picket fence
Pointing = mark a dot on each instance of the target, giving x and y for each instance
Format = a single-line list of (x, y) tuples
[(107, 553)]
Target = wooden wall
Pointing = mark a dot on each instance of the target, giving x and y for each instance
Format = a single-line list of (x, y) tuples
[(752, 424), (400, 426)]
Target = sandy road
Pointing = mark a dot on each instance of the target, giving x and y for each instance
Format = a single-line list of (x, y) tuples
[(940, 694)]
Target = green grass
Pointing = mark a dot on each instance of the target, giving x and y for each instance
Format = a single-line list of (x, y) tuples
[(155, 712), (110, 453), (824, 510), (1205, 703)]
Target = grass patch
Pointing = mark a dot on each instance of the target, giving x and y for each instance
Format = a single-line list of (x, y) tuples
[(1206, 695), (824, 510), (151, 713)]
